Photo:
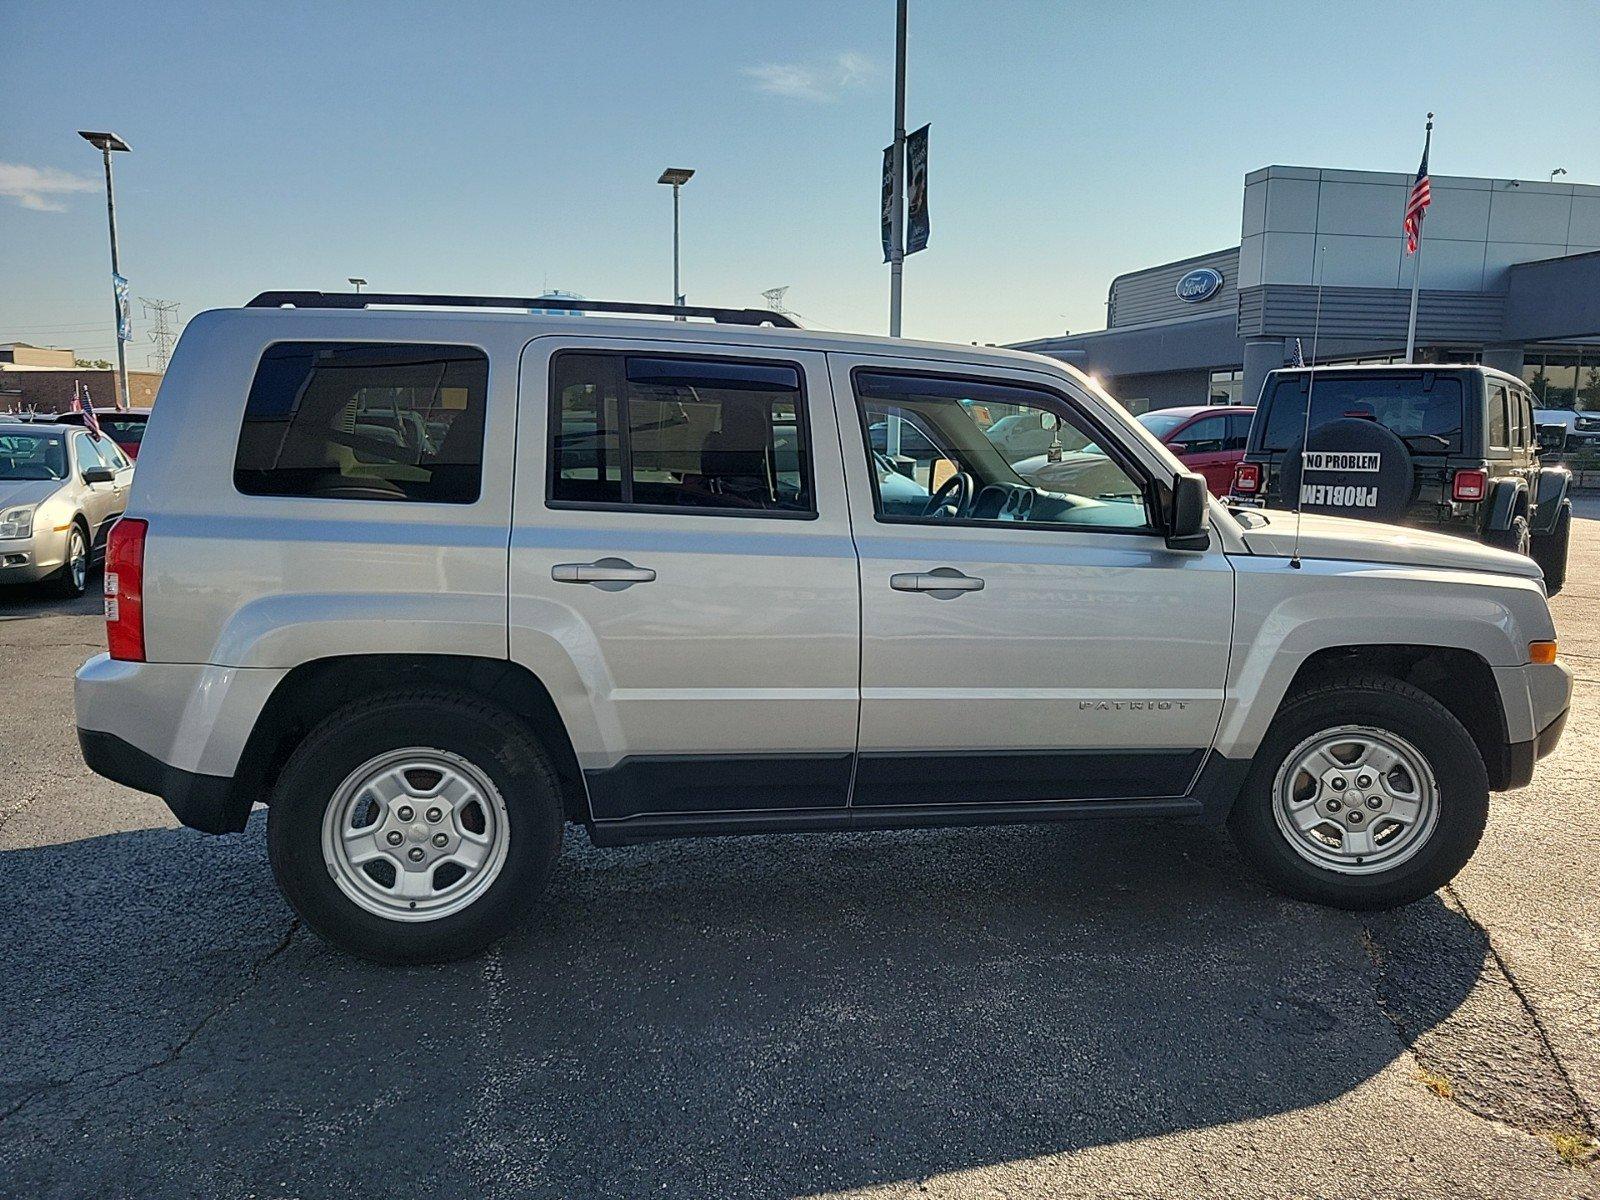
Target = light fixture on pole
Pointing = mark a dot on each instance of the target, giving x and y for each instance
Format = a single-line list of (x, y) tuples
[(1557, 171), (106, 143), (675, 177), (358, 284)]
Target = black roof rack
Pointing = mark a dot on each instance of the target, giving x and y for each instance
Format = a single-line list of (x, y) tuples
[(723, 316)]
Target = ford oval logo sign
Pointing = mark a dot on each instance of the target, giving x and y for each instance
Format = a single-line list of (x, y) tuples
[(1202, 283)]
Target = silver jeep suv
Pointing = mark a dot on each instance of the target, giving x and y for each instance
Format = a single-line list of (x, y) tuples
[(431, 581)]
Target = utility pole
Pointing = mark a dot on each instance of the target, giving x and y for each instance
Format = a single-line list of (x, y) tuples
[(106, 143), (163, 335), (897, 170)]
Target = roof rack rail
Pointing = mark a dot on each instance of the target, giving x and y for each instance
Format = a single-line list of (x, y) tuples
[(723, 316)]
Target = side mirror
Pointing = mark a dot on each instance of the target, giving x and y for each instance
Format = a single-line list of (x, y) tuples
[(1553, 437), (99, 475), (1178, 448), (1186, 523)]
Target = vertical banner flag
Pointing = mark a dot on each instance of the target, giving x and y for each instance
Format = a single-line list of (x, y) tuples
[(888, 202), (124, 310), (917, 190)]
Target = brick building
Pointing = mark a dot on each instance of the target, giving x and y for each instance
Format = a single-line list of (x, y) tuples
[(42, 378)]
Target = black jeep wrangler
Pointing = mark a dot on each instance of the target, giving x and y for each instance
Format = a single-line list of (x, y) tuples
[(1449, 448)]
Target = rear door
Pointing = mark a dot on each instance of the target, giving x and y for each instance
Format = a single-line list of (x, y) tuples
[(682, 575), (1203, 446)]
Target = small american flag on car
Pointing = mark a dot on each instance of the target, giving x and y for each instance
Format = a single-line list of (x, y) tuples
[(81, 402), (1421, 196)]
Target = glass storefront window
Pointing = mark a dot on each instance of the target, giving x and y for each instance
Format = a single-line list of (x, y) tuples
[(1589, 383), (1226, 387), (1556, 379)]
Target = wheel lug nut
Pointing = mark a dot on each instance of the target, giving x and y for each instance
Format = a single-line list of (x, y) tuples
[(1374, 803), (1364, 781), (395, 837), (1334, 806), (1336, 784), (440, 840), (435, 815), (1355, 816), (414, 854), (405, 813)]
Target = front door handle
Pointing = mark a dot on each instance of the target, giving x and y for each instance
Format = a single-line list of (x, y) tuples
[(942, 583), (607, 574)]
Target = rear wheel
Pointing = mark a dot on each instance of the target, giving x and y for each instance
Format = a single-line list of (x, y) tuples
[(412, 827), (1550, 551), (1518, 538), (1366, 793)]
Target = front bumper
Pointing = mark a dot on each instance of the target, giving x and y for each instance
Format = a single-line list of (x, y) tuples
[(30, 559), (1516, 767)]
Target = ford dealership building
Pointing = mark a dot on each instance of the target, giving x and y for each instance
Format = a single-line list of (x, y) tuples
[(1510, 278)]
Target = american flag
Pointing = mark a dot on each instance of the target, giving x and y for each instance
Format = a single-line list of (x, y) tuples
[(82, 403), (1421, 197)]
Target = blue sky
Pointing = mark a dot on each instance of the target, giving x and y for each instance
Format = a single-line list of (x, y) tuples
[(513, 147)]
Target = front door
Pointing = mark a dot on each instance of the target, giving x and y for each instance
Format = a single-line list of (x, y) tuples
[(682, 575), (1202, 444), (1020, 645)]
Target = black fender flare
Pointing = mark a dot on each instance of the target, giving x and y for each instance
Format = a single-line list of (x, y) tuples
[(1504, 498), (1549, 499)]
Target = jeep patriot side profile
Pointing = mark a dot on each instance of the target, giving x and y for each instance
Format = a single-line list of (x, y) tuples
[(431, 584)]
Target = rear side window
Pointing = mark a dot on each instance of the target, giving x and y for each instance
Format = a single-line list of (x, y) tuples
[(670, 432), (1238, 431), (1423, 410), (365, 421), (1499, 421)]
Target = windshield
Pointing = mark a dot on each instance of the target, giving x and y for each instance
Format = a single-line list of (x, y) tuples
[(1160, 423), (1422, 409), (32, 456)]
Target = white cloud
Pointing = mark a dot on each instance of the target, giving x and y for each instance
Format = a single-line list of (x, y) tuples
[(820, 82), (39, 188)]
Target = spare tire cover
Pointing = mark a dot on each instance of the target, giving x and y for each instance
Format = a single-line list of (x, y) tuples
[(1349, 468)]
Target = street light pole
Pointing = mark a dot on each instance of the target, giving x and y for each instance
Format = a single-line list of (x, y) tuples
[(106, 143), (676, 177), (356, 283), (897, 174)]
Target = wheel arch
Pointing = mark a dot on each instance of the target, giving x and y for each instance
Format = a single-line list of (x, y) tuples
[(313, 690)]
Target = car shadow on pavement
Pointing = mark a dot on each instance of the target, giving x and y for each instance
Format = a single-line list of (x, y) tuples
[(36, 600), (746, 1017)]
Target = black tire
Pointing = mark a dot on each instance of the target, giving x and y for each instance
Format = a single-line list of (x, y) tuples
[(1382, 703), (493, 741), (64, 583), (1518, 538), (1550, 551)]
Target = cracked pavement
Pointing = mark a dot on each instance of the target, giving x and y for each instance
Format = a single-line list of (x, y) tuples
[(1082, 1010)]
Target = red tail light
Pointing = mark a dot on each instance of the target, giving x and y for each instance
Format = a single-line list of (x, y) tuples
[(1247, 478), (1469, 485), (125, 590)]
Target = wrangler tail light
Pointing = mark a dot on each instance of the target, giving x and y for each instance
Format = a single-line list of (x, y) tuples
[(1247, 478), (1469, 485), (125, 590)]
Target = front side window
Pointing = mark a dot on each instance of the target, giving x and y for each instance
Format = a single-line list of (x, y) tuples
[(954, 458), (668, 432), (1205, 436), (365, 421)]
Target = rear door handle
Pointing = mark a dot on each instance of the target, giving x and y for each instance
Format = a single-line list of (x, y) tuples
[(607, 574), (942, 583)]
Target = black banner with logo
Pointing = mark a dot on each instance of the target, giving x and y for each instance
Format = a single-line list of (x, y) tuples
[(888, 202), (917, 190)]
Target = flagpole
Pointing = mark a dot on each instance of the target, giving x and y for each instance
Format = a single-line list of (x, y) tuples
[(1416, 274)]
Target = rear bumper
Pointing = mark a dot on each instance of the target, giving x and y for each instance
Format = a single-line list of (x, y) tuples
[(208, 803)]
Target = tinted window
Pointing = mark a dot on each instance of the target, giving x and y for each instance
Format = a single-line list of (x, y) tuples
[(1205, 436), (128, 430), (363, 421), (1238, 431), (958, 468), (1499, 420), (1424, 410), (685, 433)]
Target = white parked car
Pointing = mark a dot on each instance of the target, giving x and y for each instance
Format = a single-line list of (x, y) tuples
[(431, 584), (61, 490)]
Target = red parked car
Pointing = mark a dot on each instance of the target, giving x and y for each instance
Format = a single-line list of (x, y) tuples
[(1207, 439), (124, 426)]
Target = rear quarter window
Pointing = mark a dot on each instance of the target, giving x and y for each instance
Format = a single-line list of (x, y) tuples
[(365, 421)]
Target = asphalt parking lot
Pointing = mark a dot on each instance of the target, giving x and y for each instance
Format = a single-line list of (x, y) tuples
[(1082, 1010)]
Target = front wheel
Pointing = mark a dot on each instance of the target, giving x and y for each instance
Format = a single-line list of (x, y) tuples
[(411, 827), (73, 578), (1366, 793)]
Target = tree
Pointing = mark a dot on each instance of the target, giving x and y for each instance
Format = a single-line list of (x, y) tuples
[(98, 364)]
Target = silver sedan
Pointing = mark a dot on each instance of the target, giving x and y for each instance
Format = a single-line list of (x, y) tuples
[(61, 490)]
